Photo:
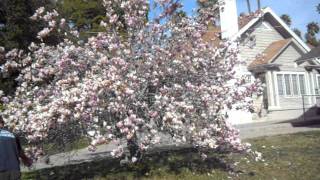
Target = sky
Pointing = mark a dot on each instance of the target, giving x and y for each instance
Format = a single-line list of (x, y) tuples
[(301, 11)]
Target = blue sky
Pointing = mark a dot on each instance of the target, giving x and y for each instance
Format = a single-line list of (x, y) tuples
[(301, 11)]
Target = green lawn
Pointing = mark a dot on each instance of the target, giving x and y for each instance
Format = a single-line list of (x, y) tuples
[(53, 148), (294, 156)]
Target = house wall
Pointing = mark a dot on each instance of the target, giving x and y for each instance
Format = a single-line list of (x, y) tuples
[(279, 107), (287, 59), (288, 66), (264, 35)]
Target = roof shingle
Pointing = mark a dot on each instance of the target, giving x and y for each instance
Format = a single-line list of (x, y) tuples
[(271, 52)]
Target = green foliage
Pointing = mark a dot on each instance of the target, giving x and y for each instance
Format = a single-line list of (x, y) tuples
[(311, 35), (7, 85), (312, 39), (51, 148), (18, 30), (287, 19), (84, 15), (298, 32), (313, 28)]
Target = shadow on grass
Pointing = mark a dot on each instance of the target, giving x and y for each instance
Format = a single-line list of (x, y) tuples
[(173, 162)]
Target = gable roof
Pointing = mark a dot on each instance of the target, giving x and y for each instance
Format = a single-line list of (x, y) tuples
[(268, 11), (271, 52), (243, 20), (314, 53), (247, 21)]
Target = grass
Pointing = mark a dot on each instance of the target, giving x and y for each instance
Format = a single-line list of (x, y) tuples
[(287, 157), (53, 148)]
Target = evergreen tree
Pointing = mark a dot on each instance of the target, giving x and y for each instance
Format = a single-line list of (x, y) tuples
[(84, 15), (311, 35), (287, 19), (17, 30), (298, 32)]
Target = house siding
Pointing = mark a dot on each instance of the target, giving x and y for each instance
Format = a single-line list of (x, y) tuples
[(287, 59), (264, 34), (288, 66), (279, 107)]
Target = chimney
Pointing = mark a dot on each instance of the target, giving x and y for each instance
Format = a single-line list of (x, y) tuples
[(228, 19)]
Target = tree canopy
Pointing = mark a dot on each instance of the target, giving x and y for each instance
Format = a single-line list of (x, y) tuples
[(311, 35), (84, 15), (160, 80), (17, 30), (298, 32), (287, 19)]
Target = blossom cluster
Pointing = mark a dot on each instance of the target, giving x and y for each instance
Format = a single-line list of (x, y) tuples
[(157, 78)]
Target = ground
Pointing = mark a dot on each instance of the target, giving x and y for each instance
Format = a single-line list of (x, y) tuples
[(251, 130), (294, 156)]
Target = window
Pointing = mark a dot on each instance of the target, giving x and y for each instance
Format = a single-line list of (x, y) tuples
[(252, 41), (318, 84), (302, 84), (248, 78), (295, 88), (287, 83), (280, 84), (291, 84)]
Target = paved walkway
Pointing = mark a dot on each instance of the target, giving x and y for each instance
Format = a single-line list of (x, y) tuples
[(251, 130), (270, 128)]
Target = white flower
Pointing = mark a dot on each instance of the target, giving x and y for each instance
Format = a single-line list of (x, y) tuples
[(134, 159), (91, 133)]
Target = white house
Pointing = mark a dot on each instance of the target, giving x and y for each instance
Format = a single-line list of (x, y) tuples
[(272, 52)]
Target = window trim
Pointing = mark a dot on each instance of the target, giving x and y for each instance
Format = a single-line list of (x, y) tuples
[(267, 26), (297, 85), (247, 74), (317, 84), (291, 84)]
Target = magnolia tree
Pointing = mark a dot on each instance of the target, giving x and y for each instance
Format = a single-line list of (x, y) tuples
[(158, 78)]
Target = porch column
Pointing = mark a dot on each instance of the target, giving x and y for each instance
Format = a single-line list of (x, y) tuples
[(270, 89), (275, 83), (313, 88)]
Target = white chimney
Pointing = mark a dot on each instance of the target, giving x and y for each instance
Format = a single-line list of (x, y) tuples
[(228, 19)]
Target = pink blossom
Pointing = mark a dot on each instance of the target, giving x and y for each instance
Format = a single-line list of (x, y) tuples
[(130, 88)]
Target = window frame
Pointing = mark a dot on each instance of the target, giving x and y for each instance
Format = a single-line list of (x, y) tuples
[(284, 86), (248, 76), (317, 84)]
